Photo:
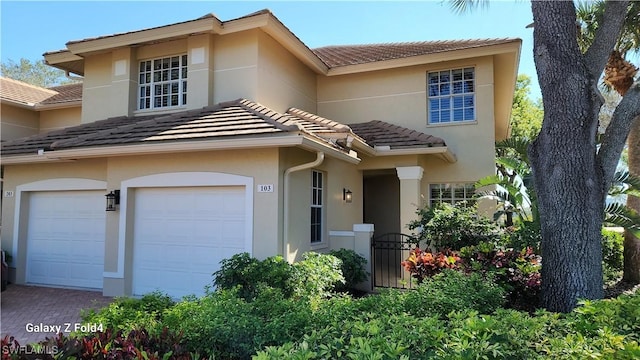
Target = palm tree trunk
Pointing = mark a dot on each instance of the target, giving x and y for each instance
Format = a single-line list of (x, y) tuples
[(632, 243)]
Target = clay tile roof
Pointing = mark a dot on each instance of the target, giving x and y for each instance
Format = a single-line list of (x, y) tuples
[(238, 118), (380, 133), (336, 56), (314, 123), (21, 92), (65, 93), (30, 95)]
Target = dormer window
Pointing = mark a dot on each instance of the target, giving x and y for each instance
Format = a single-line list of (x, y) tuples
[(451, 96), (163, 83)]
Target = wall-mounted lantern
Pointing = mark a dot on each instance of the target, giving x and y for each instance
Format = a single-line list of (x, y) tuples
[(347, 196), (113, 199)]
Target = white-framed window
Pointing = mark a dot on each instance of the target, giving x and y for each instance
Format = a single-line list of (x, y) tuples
[(317, 206), (451, 193), (451, 96), (162, 83)]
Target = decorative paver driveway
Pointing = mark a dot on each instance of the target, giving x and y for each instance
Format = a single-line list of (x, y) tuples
[(31, 313)]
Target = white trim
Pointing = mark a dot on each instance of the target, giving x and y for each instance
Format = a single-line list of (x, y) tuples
[(363, 228), (61, 184), (181, 179), (373, 97), (236, 68), (341, 233), (410, 172)]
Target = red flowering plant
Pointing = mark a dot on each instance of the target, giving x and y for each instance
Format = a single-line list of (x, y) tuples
[(422, 264), (518, 271)]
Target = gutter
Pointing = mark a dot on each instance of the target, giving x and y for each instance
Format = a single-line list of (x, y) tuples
[(24, 105), (285, 221), (443, 151), (290, 140)]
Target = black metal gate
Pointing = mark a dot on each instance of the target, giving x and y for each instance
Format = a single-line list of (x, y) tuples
[(388, 252)]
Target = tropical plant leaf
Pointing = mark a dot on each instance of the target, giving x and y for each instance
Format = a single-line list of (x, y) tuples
[(620, 215), (519, 145)]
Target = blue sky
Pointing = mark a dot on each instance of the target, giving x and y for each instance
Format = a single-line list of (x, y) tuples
[(30, 28)]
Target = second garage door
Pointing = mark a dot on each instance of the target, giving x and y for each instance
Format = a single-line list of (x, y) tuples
[(182, 234)]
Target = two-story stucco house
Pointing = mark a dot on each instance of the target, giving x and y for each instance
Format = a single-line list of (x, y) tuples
[(221, 137)]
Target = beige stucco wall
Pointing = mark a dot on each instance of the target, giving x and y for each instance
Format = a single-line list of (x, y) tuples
[(339, 216), (17, 122), (114, 76), (399, 96), (235, 66), (283, 81), (263, 166), (59, 118)]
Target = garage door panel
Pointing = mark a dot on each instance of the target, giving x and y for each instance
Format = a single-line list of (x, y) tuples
[(65, 238), (181, 241)]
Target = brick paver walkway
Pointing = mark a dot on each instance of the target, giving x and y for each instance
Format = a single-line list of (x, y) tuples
[(25, 308)]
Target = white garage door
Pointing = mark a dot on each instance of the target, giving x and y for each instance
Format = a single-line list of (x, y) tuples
[(65, 238), (182, 234)]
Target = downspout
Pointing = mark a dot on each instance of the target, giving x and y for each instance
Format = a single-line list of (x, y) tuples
[(285, 231), (68, 75)]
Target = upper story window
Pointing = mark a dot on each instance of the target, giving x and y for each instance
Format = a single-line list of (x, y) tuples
[(163, 83), (451, 96), (452, 193), (317, 201)]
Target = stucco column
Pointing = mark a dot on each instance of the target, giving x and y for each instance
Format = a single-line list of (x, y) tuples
[(410, 194), (362, 246)]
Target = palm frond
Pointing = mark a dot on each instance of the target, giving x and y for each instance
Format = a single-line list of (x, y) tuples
[(620, 215), (519, 145), (466, 6)]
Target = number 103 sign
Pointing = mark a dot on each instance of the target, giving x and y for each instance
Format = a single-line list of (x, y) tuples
[(265, 188)]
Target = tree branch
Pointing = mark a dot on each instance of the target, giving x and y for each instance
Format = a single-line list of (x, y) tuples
[(606, 36), (616, 134)]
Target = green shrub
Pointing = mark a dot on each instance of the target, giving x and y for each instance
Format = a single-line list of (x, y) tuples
[(225, 326), (612, 255), (516, 271), (221, 324), (446, 226), (525, 235), (454, 291), (130, 313), (249, 274), (596, 330), (353, 268), (316, 275)]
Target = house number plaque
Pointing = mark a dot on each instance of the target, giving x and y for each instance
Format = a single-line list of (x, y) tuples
[(263, 188)]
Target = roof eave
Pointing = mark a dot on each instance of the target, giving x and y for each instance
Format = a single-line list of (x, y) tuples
[(443, 151), (265, 21), (161, 33), (291, 42), (272, 26), (59, 105), (20, 104), (448, 55), (283, 140), (314, 145)]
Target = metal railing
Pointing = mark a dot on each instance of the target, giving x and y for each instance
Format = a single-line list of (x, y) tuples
[(388, 251)]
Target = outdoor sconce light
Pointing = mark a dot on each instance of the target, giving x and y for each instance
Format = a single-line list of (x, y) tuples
[(347, 196), (113, 199)]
